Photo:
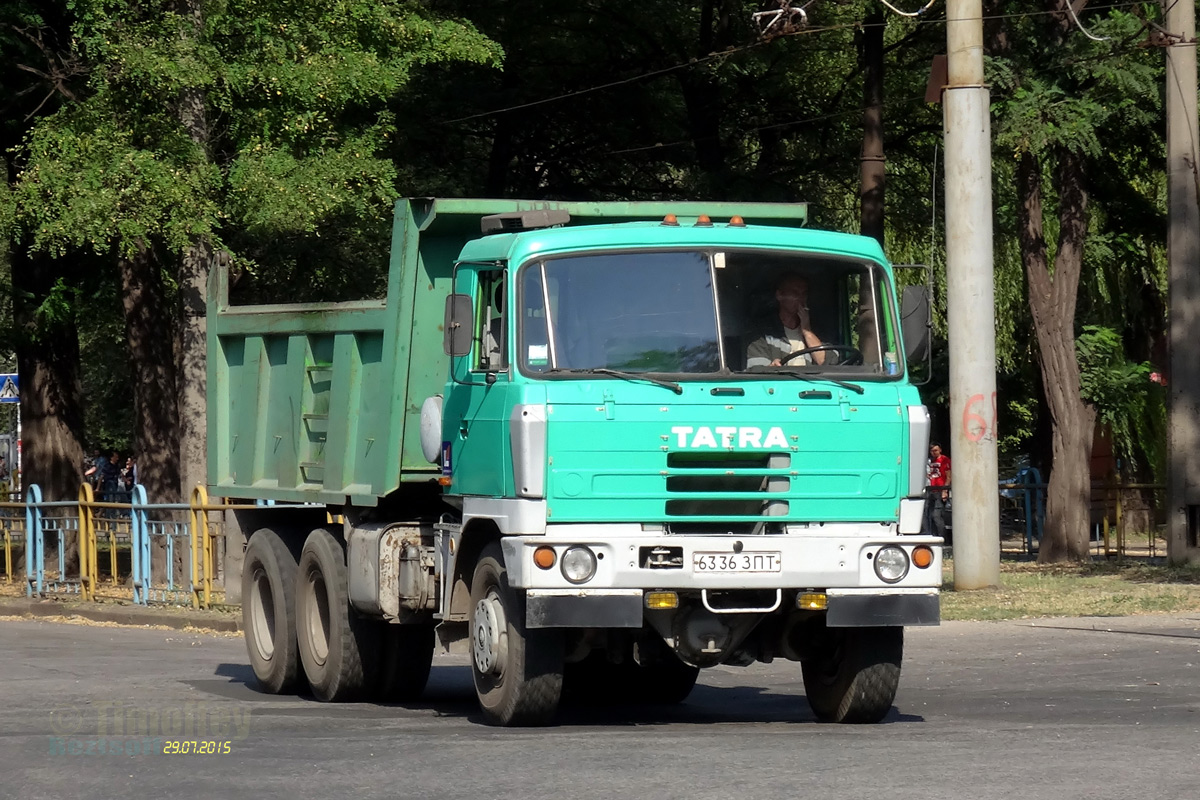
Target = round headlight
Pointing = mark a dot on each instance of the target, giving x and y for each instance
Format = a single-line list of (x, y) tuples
[(891, 563), (578, 564)]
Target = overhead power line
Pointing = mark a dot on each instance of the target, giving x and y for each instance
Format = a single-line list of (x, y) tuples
[(751, 46), (909, 14), (1078, 24)]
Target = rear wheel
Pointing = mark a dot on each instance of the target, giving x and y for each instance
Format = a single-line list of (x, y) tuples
[(268, 617), (854, 673), (405, 658), (337, 647), (518, 672)]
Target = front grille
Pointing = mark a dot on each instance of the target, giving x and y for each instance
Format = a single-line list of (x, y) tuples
[(715, 492)]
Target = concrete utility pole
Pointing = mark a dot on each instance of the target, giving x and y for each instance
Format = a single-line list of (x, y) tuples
[(970, 301), (1183, 260)]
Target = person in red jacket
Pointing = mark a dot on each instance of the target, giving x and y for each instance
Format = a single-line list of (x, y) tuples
[(937, 471)]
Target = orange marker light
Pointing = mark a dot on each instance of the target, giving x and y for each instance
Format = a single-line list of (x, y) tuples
[(544, 557), (737, 222), (922, 556), (703, 221), (670, 219), (444, 480)]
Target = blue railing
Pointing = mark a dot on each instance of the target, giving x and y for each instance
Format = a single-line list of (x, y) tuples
[(184, 537)]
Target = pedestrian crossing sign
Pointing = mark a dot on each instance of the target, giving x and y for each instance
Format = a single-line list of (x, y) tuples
[(9, 389)]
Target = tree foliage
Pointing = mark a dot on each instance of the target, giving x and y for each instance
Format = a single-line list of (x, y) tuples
[(318, 115), (295, 111)]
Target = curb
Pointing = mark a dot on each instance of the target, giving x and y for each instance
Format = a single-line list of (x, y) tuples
[(120, 614)]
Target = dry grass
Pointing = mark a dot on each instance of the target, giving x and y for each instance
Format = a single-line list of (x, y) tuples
[(70, 619), (1101, 589)]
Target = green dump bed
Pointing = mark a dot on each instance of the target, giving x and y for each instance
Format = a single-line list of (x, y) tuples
[(321, 402)]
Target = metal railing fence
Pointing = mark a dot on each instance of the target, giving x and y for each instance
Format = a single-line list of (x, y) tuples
[(120, 546)]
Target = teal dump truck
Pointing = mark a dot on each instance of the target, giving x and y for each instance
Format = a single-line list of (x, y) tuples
[(557, 446)]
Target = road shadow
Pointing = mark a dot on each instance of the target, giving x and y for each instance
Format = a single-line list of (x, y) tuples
[(451, 693)]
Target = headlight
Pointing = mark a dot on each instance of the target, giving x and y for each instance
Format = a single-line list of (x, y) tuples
[(891, 564), (578, 564)]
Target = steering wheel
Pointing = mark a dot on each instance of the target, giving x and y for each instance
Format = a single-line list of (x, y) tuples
[(853, 357)]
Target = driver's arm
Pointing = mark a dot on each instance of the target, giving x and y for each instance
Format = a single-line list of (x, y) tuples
[(810, 338), (765, 352)]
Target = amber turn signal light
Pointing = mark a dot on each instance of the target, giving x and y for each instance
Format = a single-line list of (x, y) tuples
[(922, 556), (544, 557)]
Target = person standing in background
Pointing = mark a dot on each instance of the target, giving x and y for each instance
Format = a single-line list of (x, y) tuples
[(129, 474), (937, 471)]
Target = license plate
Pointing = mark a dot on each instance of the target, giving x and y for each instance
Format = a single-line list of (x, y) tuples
[(728, 563)]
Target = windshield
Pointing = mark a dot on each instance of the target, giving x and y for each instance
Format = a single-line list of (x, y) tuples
[(699, 313)]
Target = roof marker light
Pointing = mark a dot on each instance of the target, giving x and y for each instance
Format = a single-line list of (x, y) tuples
[(737, 222), (671, 219), (703, 221)]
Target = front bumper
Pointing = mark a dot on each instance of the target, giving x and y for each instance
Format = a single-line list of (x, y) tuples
[(833, 559), (622, 608), (821, 557)]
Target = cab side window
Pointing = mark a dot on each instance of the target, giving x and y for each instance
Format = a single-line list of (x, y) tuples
[(491, 344)]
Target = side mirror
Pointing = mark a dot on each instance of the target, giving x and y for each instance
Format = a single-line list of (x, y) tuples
[(915, 322), (458, 325)]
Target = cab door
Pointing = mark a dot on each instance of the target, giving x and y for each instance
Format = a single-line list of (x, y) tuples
[(476, 407)]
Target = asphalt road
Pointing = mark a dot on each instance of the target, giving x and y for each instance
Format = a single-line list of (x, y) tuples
[(1061, 709)]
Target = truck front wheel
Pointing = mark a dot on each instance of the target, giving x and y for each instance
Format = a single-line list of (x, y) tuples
[(518, 672), (337, 648), (268, 617), (853, 673)]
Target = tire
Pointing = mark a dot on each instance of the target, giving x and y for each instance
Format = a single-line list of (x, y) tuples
[(268, 612), (855, 674), (667, 681), (338, 649), (518, 673), (405, 658)]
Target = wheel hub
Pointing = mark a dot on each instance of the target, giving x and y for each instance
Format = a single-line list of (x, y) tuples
[(488, 637), (262, 615), (317, 618)]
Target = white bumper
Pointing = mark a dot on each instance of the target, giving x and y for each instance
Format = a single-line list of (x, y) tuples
[(823, 557)]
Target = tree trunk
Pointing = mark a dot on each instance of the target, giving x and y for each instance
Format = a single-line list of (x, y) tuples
[(1052, 300), (148, 333), (872, 170), (51, 396), (148, 336), (702, 93), (191, 330), (192, 368)]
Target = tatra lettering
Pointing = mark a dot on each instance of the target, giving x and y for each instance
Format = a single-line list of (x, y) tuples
[(682, 431), (727, 434), (704, 438), (775, 438), (728, 437), (749, 437)]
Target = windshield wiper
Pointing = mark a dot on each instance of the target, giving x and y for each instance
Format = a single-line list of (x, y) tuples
[(808, 376), (616, 373)]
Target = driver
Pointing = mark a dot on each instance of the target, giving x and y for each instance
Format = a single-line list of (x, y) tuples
[(791, 332)]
